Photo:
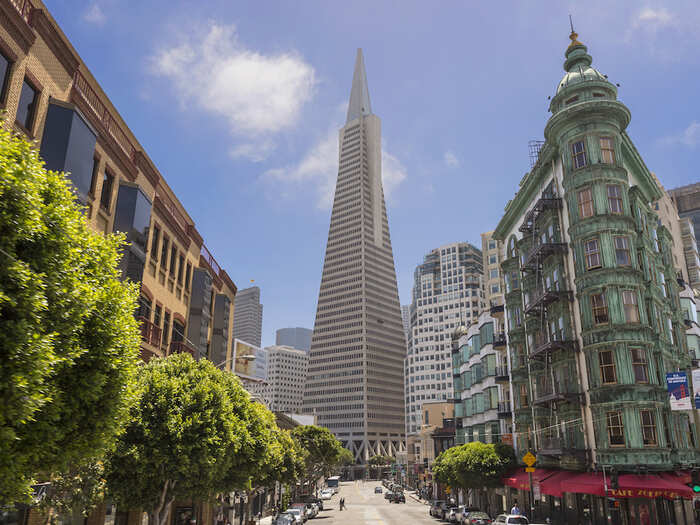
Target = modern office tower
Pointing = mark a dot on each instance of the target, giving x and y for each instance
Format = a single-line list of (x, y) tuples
[(355, 380), (261, 364), (593, 318), (287, 367), (406, 319), (687, 203), (247, 316), (447, 292), (295, 337), (493, 291)]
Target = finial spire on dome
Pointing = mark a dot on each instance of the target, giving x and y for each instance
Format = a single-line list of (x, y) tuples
[(359, 94), (574, 35)]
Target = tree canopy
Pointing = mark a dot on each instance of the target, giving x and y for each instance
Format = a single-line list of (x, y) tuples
[(377, 461), (69, 339), (187, 436), (473, 465), (322, 451)]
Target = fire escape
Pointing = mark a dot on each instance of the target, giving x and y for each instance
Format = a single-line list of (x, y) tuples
[(552, 391)]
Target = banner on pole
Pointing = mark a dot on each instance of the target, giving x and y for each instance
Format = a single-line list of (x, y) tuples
[(696, 387), (678, 391)]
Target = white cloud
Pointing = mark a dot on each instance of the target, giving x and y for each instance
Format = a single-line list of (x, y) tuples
[(653, 20), (319, 169), (94, 15), (450, 159), (258, 94), (689, 137)]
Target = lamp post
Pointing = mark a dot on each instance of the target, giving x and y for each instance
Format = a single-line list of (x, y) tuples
[(241, 359)]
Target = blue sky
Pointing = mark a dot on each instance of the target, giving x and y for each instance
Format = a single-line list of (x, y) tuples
[(239, 103)]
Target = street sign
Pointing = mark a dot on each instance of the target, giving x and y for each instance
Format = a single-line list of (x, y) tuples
[(529, 469), (529, 459)]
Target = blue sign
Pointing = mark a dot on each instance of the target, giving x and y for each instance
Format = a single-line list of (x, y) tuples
[(678, 390)]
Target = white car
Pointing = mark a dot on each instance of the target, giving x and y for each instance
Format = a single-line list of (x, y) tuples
[(326, 494), (298, 515), (513, 519)]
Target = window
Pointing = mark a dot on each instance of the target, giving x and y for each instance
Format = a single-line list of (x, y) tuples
[(571, 100), (616, 429), (26, 109), (166, 327), (585, 203), (523, 395), (622, 251), (173, 259), (155, 239), (157, 315), (164, 253), (5, 67), (607, 151), (106, 194), (629, 302), (578, 154), (592, 252), (493, 274), (615, 198), (648, 428), (639, 365), (180, 269), (599, 308), (608, 373), (662, 283), (492, 259), (95, 175), (187, 276), (492, 245)]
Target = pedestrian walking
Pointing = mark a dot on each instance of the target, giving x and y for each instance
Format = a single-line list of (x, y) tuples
[(515, 510), (342, 503)]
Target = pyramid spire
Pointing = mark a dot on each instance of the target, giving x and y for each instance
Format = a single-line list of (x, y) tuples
[(359, 95)]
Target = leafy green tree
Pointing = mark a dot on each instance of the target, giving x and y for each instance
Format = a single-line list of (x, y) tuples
[(185, 437), (78, 490), (69, 341), (380, 461), (323, 452), (473, 465), (346, 458)]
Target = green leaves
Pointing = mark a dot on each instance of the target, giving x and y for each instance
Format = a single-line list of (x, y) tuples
[(473, 465), (322, 451), (68, 339)]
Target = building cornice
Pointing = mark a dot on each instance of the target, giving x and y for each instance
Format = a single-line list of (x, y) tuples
[(53, 39), (18, 28)]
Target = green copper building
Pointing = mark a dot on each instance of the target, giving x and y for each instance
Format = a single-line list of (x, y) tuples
[(594, 321)]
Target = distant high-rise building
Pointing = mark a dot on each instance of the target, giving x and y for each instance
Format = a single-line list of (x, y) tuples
[(406, 318), (355, 382), (260, 368), (283, 390), (447, 292), (247, 316), (298, 337), (493, 287), (687, 200)]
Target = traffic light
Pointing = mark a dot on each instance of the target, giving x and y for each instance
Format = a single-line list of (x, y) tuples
[(695, 481)]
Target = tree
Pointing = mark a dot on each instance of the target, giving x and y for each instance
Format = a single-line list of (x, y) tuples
[(184, 439), (380, 461), (69, 339), (323, 452), (473, 465), (78, 490), (346, 458)]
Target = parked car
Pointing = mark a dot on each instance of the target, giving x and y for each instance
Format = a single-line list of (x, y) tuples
[(377, 490), (314, 499), (284, 518), (435, 508), (445, 509), (398, 497), (326, 494), (512, 519), (303, 509), (298, 514), (476, 518), (388, 494)]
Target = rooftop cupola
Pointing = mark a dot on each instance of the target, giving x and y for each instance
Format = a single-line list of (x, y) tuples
[(578, 66)]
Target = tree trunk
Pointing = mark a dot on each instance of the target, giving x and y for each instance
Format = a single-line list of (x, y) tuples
[(160, 514)]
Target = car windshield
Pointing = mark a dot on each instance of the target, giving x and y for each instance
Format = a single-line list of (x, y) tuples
[(480, 515), (293, 511), (517, 521)]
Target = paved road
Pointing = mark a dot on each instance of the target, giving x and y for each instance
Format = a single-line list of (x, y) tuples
[(364, 507)]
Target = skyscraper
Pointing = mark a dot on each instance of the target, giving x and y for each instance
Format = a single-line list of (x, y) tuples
[(355, 380), (247, 316), (447, 292), (298, 337)]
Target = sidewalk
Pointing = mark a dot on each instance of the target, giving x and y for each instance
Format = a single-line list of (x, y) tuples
[(413, 496)]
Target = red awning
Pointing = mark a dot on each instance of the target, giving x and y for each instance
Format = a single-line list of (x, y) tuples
[(520, 479), (552, 484), (629, 486)]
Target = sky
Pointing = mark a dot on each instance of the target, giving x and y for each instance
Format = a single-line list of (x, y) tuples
[(239, 105)]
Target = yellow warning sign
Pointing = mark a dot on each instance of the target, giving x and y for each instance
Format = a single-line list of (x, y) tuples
[(529, 459), (529, 469)]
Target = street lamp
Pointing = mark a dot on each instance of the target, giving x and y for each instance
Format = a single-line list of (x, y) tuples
[(241, 359)]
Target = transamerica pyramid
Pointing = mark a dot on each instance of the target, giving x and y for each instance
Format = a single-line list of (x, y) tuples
[(355, 380)]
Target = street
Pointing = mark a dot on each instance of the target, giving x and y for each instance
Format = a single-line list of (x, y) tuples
[(364, 507)]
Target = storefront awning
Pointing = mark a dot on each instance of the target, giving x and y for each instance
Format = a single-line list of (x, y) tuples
[(552, 484), (519, 479), (629, 486)]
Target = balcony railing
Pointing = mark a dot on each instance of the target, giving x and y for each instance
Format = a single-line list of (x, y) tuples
[(499, 340), (24, 8), (545, 344), (182, 347), (496, 310), (558, 446), (540, 252), (150, 332), (542, 298), (92, 99), (552, 394), (504, 409), (502, 374)]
